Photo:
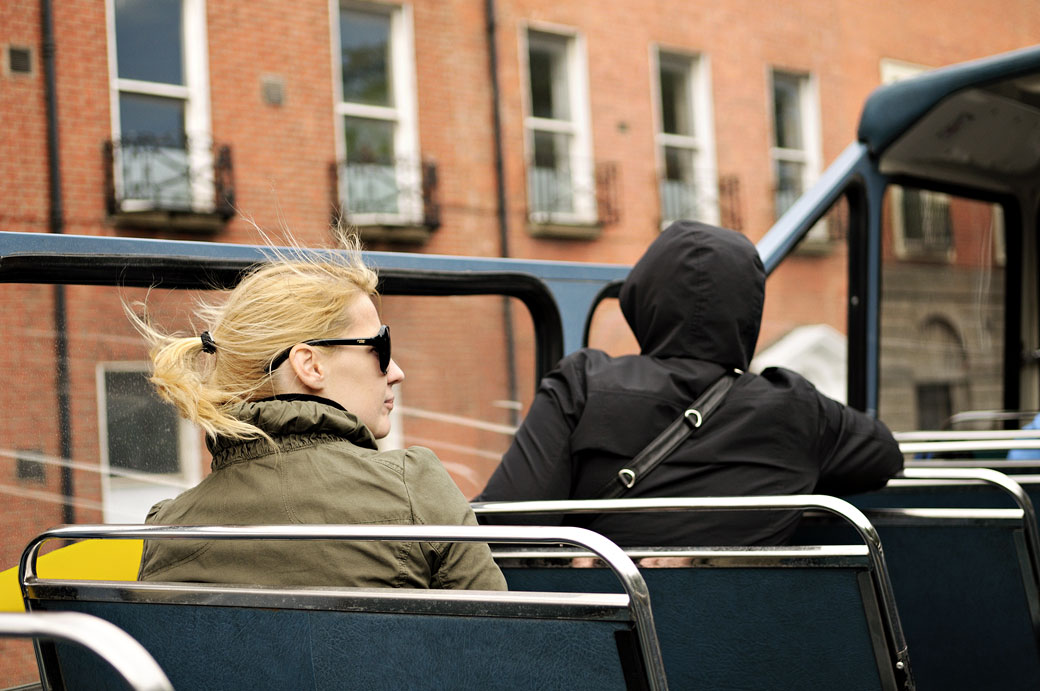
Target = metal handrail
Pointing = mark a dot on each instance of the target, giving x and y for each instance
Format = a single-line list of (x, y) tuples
[(614, 556), (988, 416), (1005, 443), (839, 507), (966, 435), (109, 642)]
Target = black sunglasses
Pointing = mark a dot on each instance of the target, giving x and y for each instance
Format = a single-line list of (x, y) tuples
[(380, 342)]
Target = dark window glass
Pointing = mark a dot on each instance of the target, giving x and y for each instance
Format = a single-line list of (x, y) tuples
[(148, 40), (787, 115), (675, 101), (926, 221), (369, 141), (934, 405), (142, 429), (548, 76), (365, 50), (789, 183), (541, 83), (152, 119)]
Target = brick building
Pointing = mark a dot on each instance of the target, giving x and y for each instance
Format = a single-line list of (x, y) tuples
[(193, 119)]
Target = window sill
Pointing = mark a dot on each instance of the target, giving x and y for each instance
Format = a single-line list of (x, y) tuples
[(184, 221), (565, 231), (397, 235)]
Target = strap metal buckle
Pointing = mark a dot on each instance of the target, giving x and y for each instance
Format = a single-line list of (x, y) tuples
[(693, 416), (627, 477)]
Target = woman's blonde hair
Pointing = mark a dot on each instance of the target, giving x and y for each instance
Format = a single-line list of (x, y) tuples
[(276, 305)]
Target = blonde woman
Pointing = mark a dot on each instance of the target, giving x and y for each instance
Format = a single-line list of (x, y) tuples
[(293, 383)]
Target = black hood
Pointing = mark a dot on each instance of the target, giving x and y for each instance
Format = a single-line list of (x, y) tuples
[(697, 292)]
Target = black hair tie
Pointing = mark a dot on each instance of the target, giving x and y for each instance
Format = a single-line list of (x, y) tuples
[(208, 344)]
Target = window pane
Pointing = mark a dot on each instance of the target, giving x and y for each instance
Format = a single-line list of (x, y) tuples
[(678, 188), (469, 421), (925, 222), (365, 51), (371, 174), (676, 113), (787, 112), (942, 311), (153, 151), (153, 118), (789, 183), (142, 429), (104, 385), (549, 97), (805, 329), (552, 189), (148, 40), (369, 141)]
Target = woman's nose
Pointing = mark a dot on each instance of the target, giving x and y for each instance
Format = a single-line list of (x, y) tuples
[(394, 374)]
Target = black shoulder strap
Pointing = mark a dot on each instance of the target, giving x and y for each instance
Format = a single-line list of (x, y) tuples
[(667, 441)]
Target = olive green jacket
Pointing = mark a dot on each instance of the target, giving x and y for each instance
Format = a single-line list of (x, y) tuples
[(326, 470)]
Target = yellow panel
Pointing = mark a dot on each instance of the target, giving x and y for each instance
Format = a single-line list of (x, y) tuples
[(92, 560)]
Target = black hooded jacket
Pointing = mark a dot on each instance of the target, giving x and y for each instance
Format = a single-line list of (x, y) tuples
[(694, 302)]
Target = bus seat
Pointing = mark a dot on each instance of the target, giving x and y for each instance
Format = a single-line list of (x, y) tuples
[(963, 579), (801, 618), (247, 637), (810, 617)]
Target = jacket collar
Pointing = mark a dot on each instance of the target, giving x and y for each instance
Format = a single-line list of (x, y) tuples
[(292, 420)]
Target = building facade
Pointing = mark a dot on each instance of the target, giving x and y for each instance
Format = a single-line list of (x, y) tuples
[(554, 130)]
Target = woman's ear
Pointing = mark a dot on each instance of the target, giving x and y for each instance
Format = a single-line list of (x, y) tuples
[(308, 366)]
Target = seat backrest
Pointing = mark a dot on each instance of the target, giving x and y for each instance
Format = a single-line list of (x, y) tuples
[(217, 637), (801, 618), (964, 586), (247, 637), (862, 592)]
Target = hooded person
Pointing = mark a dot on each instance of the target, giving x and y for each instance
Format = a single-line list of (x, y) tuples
[(694, 302)]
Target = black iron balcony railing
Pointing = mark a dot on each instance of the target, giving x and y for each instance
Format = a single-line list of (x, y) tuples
[(687, 200), (395, 192), (182, 176), (565, 194)]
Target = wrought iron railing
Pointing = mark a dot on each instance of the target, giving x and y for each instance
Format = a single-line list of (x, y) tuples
[(681, 199), (563, 195), (148, 173), (396, 192)]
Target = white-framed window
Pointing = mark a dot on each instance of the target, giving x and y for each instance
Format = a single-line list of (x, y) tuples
[(921, 224), (380, 179), (796, 149), (561, 185), (687, 179), (159, 85), (148, 452)]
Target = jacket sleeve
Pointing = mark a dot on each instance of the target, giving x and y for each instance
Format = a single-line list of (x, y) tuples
[(859, 452), (436, 500), (538, 462)]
